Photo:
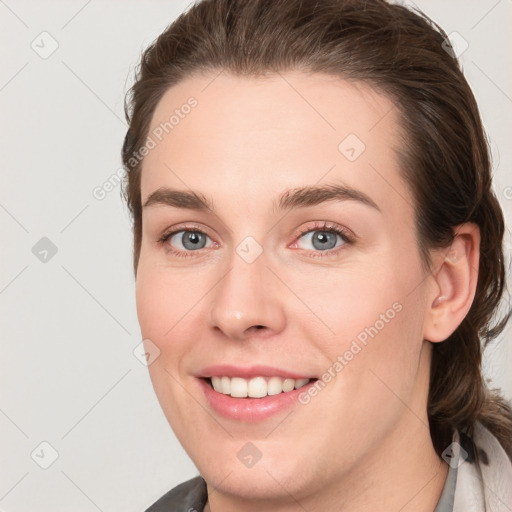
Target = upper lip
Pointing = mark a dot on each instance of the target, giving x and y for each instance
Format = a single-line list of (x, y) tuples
[(248, 372)]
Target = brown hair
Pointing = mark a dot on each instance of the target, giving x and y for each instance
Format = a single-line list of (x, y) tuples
[(444, 158)]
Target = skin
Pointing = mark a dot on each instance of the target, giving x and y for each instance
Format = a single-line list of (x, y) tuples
[(363, 442)]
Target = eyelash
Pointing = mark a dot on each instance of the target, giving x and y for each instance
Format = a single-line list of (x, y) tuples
[(325, 227)]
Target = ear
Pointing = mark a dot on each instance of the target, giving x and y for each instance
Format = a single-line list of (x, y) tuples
[(453, 283)]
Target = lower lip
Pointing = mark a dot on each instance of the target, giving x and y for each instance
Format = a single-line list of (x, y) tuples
[(251, 410)]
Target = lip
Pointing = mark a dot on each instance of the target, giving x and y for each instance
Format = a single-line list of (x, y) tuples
[(248, 372), (251, 410)]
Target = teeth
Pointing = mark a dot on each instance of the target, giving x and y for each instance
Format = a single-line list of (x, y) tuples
[(257, 387), (238, 387), (274, 386), (225, 382)]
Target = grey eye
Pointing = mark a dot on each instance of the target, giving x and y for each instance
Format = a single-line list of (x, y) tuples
[(189, 240), (321, 240)]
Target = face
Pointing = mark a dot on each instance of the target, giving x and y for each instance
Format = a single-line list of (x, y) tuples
[(300, 270)]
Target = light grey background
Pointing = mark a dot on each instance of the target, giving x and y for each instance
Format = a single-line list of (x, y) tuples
[(68, 374)]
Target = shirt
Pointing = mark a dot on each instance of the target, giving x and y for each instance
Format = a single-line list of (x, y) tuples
[(470, 486)]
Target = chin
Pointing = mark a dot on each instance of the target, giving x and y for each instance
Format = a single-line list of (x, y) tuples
[(257, 483), (267, 476)]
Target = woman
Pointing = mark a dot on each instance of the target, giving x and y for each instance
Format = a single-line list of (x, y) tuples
[(318, 254)]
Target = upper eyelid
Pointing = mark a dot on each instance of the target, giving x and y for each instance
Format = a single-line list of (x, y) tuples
[(179, 229), (326, 226)]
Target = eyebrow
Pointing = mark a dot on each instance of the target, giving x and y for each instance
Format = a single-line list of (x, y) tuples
[(300, 197)]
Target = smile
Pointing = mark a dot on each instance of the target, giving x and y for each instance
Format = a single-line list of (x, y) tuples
[(249, 408), (257, 387)]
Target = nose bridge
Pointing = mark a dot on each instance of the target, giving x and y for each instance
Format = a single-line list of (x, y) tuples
[(247, 296)]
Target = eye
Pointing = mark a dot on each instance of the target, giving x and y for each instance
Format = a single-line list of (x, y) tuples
[(323, 238), (189, 240), (186, 240)]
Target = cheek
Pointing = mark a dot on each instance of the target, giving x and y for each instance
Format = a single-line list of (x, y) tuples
[(386, 372), (170, 311), (370, 318), (168, 316), (390, 369), (164, 300), (350, 302)]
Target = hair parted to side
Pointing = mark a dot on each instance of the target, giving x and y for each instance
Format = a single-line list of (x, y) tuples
[(444, 156)]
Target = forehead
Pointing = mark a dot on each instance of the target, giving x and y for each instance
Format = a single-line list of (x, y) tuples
[(251, 135)]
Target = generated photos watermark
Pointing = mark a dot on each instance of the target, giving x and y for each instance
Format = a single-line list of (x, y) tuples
[(356, 346)]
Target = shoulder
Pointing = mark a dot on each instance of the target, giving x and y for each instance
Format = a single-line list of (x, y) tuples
[(190, 496), (484, 474)]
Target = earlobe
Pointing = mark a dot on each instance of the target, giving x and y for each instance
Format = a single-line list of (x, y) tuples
[(453, 283)]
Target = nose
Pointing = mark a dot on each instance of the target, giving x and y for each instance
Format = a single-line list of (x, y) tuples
[(247, 301)]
